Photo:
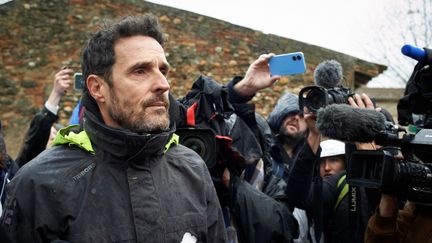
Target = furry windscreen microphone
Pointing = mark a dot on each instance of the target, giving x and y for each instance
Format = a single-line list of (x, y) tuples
[(348, 124), (328, 74)]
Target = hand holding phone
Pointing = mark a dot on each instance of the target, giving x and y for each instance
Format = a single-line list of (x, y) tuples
[(287, 64)]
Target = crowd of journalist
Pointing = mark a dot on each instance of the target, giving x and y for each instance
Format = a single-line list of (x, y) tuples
[(136, 164)]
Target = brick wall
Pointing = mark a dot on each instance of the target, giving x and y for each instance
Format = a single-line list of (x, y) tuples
[(38, 37)]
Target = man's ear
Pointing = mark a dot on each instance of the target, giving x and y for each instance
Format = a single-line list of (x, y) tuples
[(96, 86)]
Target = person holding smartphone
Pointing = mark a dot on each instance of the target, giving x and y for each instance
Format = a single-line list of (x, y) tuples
[(290, 142), (38, 133)]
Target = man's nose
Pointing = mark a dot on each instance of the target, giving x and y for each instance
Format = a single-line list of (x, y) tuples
[(327, 166), (161, 83)]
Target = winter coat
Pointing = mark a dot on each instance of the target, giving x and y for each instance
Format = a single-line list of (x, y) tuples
[(5, 176), (112, 185), (37, 136), (412, 224), (346, 221), (259, 217)]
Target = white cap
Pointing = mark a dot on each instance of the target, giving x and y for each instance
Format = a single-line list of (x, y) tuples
[(332, 147)]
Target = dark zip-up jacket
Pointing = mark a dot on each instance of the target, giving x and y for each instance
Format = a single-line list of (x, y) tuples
[(130, 190), (37, 136), (6, 175)]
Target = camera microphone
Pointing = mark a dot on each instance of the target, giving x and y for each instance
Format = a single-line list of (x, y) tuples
[(348, 124), (328, 74)]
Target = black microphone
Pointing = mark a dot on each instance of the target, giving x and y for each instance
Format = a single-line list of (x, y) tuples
[(348, 124)]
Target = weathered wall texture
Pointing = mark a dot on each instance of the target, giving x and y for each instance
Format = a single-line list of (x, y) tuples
[(38, 37), (385, 98)]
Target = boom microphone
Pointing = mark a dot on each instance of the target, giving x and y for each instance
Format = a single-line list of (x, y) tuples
[(348, 124)]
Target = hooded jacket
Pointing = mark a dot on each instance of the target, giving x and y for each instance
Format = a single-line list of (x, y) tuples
[(112, 185)]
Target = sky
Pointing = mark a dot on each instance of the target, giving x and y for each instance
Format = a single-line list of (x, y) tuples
[(345, 26)]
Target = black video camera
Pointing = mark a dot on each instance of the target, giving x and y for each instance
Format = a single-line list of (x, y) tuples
[(213, 149), (210, 127), (410, 177), (202, 141), (316, 97)]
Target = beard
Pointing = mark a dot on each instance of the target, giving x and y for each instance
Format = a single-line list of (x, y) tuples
[(140, 120), (290, 139)]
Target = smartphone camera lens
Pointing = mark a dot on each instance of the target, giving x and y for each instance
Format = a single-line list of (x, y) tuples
[(298, 57), (294, 58)]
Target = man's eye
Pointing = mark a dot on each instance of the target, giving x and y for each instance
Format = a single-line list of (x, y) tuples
[(164, 71), (140, 71)]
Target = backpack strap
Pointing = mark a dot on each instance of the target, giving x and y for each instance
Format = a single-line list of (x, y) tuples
[(190, 114)]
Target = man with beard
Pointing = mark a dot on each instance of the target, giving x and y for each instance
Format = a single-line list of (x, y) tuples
[(287, 122), (122, 176), (294, 156)]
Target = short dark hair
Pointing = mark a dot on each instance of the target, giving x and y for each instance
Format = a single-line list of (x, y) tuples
[(98, 55)]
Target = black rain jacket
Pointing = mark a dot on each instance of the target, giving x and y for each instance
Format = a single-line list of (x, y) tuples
[(37, 136), (130, 190)]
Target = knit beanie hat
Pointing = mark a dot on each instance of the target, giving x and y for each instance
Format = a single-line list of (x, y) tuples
[(288, 104)]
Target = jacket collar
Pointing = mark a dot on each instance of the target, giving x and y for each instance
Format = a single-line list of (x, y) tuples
[(122, 144)]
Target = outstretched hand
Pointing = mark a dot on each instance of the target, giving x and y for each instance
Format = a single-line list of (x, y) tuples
[(257, 77)]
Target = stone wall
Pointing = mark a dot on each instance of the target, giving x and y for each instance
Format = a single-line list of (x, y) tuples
[(386, 98), (38, 37)]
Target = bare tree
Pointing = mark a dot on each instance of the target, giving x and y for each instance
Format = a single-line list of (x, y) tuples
[(404, 22)]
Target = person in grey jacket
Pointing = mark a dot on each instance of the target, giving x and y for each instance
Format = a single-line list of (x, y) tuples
[(122, 176)]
